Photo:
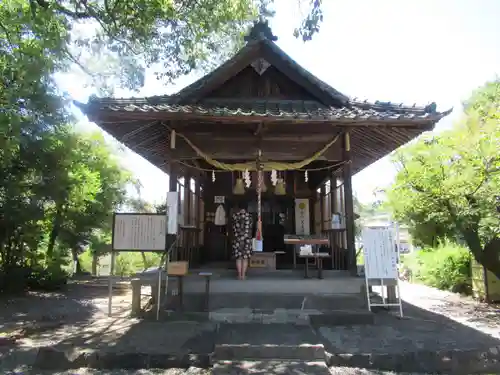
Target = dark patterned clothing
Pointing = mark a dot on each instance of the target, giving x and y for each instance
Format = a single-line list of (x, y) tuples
[(242, 235)]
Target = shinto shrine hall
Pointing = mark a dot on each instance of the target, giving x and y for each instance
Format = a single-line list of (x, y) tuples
[(261, 113)]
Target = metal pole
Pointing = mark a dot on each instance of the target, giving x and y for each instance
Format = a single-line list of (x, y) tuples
[(167, 260), (398, 254), (368, 298), (382, 289), (158, 296), (110, 286)]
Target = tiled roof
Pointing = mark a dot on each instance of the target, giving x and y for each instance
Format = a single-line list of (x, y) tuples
[(279, 109)]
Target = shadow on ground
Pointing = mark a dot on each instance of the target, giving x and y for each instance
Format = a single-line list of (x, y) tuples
[(422, 341), (482, 313), (271, 367), (38, 315)]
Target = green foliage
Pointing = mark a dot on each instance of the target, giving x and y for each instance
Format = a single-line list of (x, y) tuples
[(47, 279), (447, 185), (85, 260), (446, 267), (114, 41), (127, 263), (59, 187)]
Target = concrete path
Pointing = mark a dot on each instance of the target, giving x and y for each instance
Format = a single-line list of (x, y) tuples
[(464, 310)]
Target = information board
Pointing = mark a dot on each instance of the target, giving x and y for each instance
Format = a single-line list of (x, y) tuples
[(139, 232), (380, 254), (172, 212)]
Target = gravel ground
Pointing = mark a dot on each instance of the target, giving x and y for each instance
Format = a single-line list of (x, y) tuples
[(465, 310), (198, 371), (31, 321)]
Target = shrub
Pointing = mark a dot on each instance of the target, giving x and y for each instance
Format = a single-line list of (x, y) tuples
[(445, 267), (47, 279), (37, 277), (126, 263), (85, 260)]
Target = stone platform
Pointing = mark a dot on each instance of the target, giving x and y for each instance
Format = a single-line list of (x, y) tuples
[(411, 345), (270, 282), (265, 308)]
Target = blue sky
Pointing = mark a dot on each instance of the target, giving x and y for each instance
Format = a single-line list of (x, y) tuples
[(411, 51)]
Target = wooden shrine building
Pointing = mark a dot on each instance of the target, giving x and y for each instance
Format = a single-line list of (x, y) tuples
[(262, 108)]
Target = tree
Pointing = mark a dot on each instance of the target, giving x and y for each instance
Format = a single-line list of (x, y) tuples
[(58, 186), (96, 188), (114, 41), (448, 185)]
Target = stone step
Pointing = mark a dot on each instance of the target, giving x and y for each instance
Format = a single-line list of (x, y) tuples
[(270, 368), (268, 342), (266, 302), (270, 285), (278, 316), (328, 310)]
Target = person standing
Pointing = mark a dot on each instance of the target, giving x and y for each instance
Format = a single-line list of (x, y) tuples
[(242, 239)]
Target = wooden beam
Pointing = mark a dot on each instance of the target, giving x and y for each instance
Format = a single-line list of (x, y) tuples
[(247, 150), (104, 116), (238, 137), (250, 156)]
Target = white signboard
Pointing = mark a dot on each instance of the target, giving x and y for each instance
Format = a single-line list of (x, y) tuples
[(139, 232), (172, 212), (302, 222), (219, 199), (380, 253)]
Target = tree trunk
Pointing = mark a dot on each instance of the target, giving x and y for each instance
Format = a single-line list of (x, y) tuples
[(56, 226), (77, 268), (95, 259), (489, 256)]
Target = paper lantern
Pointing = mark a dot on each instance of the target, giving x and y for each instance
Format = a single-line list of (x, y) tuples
[(239, 187)]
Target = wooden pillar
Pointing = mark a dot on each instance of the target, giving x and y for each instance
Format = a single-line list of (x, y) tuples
[(197, 212), (187, 199), (333, 193), (349, 205), (201, 216), (322, 207), (172, 183), (172, 187), (342, 239), (333, 208)]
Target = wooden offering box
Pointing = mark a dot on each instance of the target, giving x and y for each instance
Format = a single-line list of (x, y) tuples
[(178, 268), (263, 260)]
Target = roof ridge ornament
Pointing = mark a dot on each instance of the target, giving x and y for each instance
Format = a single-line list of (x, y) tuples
[(260, 31)]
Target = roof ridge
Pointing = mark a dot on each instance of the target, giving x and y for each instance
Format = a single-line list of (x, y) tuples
[(387, 105)]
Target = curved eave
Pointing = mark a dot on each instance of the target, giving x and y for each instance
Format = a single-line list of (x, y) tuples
[(95, 112)]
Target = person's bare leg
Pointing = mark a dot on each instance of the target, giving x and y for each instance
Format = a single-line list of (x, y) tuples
[(245, 267), (239, 267)]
